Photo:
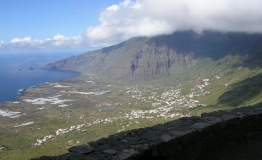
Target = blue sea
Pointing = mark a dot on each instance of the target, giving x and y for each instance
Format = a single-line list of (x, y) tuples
[(15, 75)]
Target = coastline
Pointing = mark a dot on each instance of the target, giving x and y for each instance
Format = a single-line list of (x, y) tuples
[(21, 92), (15, 109)]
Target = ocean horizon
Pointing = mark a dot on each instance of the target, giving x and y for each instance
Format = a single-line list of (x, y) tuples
[(21, 71)]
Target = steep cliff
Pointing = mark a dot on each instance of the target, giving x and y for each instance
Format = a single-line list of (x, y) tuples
[(207, 54)]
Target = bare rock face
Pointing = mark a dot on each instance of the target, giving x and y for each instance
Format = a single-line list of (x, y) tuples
[(147, 58)]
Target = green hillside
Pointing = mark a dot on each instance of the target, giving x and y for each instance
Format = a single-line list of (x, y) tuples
[(155, 79), (209, 53), (236, 58)]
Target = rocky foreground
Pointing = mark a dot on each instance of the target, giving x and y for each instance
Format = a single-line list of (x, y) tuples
[(185, 138)]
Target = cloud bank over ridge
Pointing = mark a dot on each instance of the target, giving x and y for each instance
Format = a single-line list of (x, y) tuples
[(129, 18)]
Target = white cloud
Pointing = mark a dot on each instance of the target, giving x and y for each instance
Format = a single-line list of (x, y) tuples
[(58, 41), (113, 8), (129, 18), (17, 40), (150, 18), (1, 44), (58, 36)]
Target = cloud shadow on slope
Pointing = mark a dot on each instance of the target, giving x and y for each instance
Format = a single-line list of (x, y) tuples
[(210, 44)]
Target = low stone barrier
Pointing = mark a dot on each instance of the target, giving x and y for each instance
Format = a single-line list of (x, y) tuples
[(187, 138)]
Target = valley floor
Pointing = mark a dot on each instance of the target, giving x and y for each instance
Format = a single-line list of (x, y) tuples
[(50, 118)]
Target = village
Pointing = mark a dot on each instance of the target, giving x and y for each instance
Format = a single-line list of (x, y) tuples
[(148, 103)]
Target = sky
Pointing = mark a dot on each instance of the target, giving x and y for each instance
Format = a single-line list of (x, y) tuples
[(83, 25)]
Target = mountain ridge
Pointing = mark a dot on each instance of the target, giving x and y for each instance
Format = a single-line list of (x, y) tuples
[(145, 58)]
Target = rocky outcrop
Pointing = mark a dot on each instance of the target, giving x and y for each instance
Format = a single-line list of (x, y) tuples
[(187, 138)]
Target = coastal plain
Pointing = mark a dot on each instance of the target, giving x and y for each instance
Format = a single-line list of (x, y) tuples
[(49, 118)]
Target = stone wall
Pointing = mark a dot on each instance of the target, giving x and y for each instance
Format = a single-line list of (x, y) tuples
[(186, 138)]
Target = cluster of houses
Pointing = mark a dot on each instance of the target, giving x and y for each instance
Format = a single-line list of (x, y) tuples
[(165, 106), (40, 141), (132, 115), (199, 90), (60, 132), (172, 97)]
